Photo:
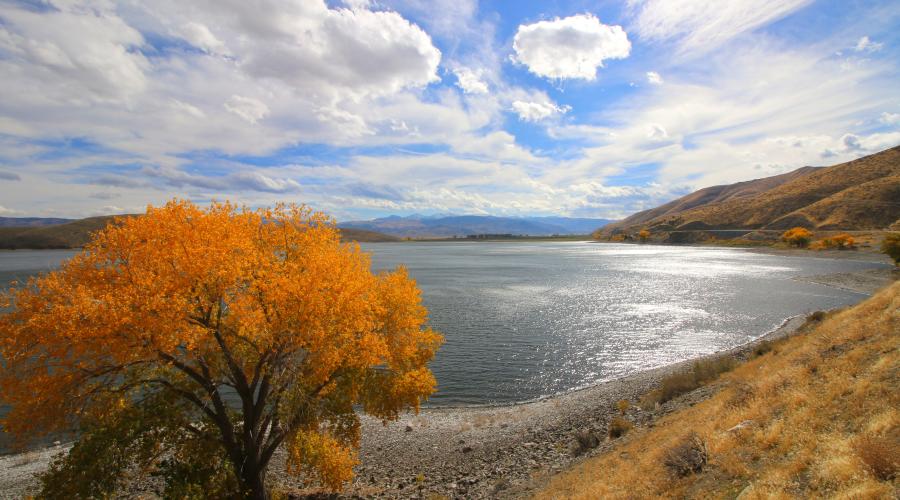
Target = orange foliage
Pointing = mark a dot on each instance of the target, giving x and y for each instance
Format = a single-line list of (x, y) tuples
[(187, 301), (644, 235), (798, 237)]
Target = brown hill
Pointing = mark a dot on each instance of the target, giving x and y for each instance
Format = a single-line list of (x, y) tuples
[(76, 233), (862, 194)]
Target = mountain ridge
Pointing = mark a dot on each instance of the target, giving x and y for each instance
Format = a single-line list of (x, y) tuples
[(863, 194)]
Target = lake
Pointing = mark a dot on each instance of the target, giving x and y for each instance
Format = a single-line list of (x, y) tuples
[(524, 320)]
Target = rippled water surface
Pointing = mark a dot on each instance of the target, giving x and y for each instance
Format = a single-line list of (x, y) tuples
[(524, 320)]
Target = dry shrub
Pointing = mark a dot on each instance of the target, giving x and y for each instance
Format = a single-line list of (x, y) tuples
[(687, 457), (741, 393), (881, 456), (680, 383), (585, 441), (623, 405), (762, 348), (815, 317), (618, 427)]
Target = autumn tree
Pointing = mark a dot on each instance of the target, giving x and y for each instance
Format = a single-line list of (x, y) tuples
[(891, 246), (797, 237), (644, 235), (843, 241), (202, 340)]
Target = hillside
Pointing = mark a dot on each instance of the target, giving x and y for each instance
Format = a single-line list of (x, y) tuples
[(863, 194), (31, 221), (72, 234), (814, 417), (464, 225), (76, 233)]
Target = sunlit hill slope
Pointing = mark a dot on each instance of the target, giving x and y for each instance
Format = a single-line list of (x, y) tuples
[(863, 194)]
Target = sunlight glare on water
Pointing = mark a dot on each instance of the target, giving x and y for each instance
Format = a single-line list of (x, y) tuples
[(525, 320)]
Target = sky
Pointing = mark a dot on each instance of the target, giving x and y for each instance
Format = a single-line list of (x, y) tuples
[(371, 108)]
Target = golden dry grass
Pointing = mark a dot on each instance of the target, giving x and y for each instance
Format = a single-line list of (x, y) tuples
[(819, 416)]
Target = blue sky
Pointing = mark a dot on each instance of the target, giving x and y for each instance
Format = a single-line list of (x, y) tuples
[(370, 108)]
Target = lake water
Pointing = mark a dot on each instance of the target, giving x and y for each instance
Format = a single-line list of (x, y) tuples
[(524, 320)]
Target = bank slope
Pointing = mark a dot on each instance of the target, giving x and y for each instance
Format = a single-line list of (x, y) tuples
[(818, 416), (863, 194)]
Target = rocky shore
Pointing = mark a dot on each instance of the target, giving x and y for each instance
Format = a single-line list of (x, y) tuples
[(491, 452)]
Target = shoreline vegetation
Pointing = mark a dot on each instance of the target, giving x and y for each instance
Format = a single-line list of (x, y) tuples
[(502, 451)]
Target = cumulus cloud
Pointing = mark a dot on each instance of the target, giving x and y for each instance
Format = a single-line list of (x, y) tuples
[(656, 132), (470, 81), (247, 108), (234, 182), (200, 36), (9, 176), (73, 53), (8, 211), (889, 118), (698, 28), (866, 45), (572, 47), (654, 78), (536, 111)]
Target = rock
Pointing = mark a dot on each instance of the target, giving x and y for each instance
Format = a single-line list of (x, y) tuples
[(409, 428), (467, 449), (742, 425)]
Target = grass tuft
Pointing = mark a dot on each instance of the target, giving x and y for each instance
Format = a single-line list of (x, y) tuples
[(689, 456), (618, 427)]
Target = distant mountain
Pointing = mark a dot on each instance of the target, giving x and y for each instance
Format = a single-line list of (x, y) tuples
[(444, 226), (72, 234), (862, 194), (30, 221), (75, 233)]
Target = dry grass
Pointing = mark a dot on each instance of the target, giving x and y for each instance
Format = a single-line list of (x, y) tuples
[(680, 383), (618, 427), (817, 417)]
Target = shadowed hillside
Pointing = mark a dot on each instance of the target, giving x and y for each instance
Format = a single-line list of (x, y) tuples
[(76, 233), (863, 194)]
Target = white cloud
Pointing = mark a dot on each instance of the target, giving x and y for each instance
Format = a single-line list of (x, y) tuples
[(572, 47), (866, 45), (73, 55), (470, 81), (536, 111), (890, 118), (200, 36), (8, 211), (247, 108), (656, 132), (654, 78), (698, 27)]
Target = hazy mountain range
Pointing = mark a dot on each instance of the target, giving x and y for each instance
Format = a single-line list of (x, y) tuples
[(444, 226)]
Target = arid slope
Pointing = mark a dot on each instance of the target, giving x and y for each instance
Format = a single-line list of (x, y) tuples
[(818, 416), (863, 194)]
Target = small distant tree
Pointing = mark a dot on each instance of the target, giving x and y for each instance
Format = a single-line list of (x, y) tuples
[(197, 342), (843, 241), (644, 235), (797, 237), (891, 246)]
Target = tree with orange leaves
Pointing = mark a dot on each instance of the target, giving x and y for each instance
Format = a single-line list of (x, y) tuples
[(202, 340), (797, 237)]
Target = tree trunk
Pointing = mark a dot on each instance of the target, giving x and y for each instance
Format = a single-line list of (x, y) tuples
[(253, 480)]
